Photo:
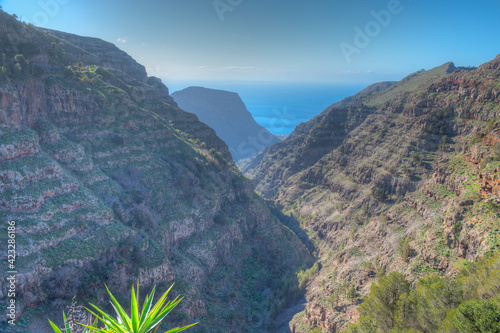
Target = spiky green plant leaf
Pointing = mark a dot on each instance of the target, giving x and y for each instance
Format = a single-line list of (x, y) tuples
[(67, 329), (146, 320)]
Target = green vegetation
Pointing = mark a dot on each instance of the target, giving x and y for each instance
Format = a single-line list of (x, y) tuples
[(305, 275), (69, 326), (146, 320), (114, 176), (473, 316), (404, 249), (351, 292), (18, 67), (380, 194), (412, 83), (469, 302)]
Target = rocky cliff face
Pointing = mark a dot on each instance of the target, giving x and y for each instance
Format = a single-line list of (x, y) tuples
[(401, 177), (110, 182), (225, 112)]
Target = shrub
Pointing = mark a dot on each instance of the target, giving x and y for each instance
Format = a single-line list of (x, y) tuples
[(333, 299), (417, 159), (380, 194), (404, 249), (315, 330), (351, 292), (444, 143)]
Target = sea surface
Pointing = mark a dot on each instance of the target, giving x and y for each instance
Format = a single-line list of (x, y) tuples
[(280, 107)]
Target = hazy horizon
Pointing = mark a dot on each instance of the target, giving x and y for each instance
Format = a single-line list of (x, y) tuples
[(280, 106)]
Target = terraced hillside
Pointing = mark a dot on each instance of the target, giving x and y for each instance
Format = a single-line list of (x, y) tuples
[(109, 181), (401, 177)]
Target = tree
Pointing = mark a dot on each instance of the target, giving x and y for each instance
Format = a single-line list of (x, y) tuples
[(381, 303), (333, 299), (21, 66), (68, 72), (473, 316), (469, 302), (351, 292), (426, 307)]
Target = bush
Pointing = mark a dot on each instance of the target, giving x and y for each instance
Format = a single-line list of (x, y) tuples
[(351, 292), (443, 145), (380, 194), (404, 249), (417, 159), (333, 299), (315, 330)]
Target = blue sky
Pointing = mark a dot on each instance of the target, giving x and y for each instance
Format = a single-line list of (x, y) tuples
[(278, 40)]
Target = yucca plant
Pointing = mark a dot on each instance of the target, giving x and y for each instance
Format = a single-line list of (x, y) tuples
[(67, 326), (147, 320)]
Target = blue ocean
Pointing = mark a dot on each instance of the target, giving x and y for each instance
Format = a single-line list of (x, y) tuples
[(280, 107)]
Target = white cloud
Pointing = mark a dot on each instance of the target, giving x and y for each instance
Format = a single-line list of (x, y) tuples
[(244, 68), (122, 40), (368, 71), (203, 67)]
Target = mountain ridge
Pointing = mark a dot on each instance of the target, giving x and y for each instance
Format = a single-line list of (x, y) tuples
[(108, 55), (225, 112), (390, 182), (108, 182)]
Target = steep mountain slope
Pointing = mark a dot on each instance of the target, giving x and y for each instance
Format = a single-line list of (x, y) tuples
[(225, 112), (309, 142), (401, 178), (109, 181)]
